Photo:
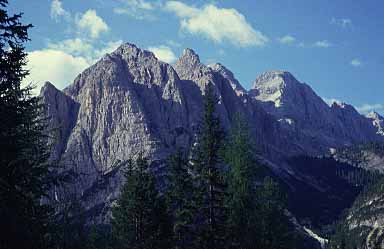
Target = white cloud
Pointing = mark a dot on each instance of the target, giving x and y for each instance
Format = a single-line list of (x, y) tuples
[(75, 46), (173, 43), (288, 39), (342, 22), (61, 62), (322, 44), (91, 23), (58, 11), (85, 48), (55, 66), (355, 63), (366, 108), (137, 9), (163, 53), (217, 24)]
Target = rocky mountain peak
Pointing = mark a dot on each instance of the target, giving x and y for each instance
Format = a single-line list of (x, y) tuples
[(377, 121), (130, 102), (227, 74), (189, 57), (47, 87), (129, 51), (276, 78), (276, 87)]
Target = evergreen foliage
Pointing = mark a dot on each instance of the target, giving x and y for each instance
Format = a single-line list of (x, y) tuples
[(179, 199), (139, 218), (210, 186), (273, 226), (24, 169), (239, 155)]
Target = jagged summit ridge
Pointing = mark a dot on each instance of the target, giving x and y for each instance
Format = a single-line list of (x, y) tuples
[(226, 73), (130, 102)]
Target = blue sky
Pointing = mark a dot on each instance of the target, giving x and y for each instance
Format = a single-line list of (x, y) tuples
[(335, 46)]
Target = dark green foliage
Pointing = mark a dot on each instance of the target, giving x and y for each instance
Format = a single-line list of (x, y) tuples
[(140, 219), (99, 239), (358, 213), (273, 226), (239, 155), (341, 184), (179, 200), (355, 154), (23, 153), (69, 229), (210, 187)]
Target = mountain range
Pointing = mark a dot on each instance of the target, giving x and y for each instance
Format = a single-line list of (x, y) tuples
[(129, 102)]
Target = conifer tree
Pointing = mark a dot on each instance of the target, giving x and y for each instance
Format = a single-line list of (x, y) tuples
[(241, 201), (273, 225), (23, 153), (179, 200), (139, 218), (210, 187)]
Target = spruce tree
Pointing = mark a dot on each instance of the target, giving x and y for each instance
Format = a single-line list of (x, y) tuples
[(241, 201), (210, 187), (179, 200), (273, 226), (23, 153), (139, 218)]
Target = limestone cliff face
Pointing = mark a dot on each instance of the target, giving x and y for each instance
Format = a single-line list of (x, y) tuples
[(296, 106), (129, 103)]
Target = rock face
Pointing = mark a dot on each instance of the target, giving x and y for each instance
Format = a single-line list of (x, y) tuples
[(130, 103), (363, 226), (296, 106), (377, 121)]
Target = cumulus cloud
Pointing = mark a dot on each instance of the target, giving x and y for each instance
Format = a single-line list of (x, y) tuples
[(85, 48), (91, 23), (322, 44), (76, 46), (61, 62), (288, 39), (138, 9), (163, 53), (342, 22), (217, 24), (355, 63), (57, 10), (52, 65), (366, 108)]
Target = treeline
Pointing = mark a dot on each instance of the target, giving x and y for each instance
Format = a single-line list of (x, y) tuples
[(367, 206), (214, 197), (211, 198)]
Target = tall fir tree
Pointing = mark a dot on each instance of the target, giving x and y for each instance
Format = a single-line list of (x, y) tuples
[(179, 200), (273, 226), (139, 218), (239, 155), (23, 154), (210, 186)]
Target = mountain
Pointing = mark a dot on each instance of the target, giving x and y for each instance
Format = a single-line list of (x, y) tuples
[(129, 103), (301, 110), (378, 121), (369, 156), (363, 224)]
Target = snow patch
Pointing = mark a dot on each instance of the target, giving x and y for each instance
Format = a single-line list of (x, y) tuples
[(323, 242)]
